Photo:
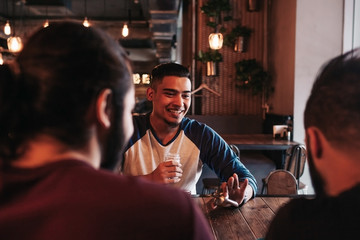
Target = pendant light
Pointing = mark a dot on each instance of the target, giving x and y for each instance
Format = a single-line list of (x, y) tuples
[(46, 23), (7, 27), (216, 41), (86, 22), (14, 43), (125, 29)]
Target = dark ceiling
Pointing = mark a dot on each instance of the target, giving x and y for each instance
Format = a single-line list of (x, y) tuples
[(155, 20)]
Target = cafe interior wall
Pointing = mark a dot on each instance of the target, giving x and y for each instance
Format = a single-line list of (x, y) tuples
[(282, 27), (232, 100)]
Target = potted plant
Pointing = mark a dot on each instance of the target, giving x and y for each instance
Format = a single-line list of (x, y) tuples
[(211, 58), (237, 38), (213, 9), (253, 5), (251, 75)]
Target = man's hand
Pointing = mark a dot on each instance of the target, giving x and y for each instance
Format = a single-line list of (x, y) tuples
[(240, 192), (166, 172)]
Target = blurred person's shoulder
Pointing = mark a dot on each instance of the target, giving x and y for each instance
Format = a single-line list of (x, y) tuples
[(317, 217)]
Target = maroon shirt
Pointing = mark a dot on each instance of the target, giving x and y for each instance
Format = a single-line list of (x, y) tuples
[(71, 200)]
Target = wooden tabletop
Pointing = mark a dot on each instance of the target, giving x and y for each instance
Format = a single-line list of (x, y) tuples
[(250, 221), (257, 141)]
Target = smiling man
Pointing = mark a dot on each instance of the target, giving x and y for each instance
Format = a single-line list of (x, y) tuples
[(166, 130)]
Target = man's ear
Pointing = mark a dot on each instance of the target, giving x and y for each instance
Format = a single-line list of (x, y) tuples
[(103, 108), (150, 94), (315, 140)]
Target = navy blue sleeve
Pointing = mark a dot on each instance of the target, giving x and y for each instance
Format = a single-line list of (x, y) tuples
[(216, 153), (141, 125)]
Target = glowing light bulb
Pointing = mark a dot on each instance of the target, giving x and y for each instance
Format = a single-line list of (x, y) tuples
[(7, 28), (215, 41), (86, 22), (14, 44), (46, 23), (125, 30)]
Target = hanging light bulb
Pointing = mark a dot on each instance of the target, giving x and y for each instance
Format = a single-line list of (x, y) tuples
[(7, 28), (14, 44), (1, 59), (216, 41), (125, 30), (86, 22), (46, 23)]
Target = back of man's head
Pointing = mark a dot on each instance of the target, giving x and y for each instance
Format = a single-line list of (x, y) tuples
[(334, 102), (56, 78)]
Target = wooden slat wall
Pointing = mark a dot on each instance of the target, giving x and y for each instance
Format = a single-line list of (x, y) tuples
[(233, 101)]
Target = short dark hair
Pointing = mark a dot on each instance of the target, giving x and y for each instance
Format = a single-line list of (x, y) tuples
[(55, 80), (334, 102), (167, 69)]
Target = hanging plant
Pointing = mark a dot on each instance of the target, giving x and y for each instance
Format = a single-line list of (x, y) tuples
[(251, 75), (238, 31), (209, 56), (213, 9), (253, 5)]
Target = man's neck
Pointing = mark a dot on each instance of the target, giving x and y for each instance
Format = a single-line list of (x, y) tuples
[(163, 131), (45, 149), (341, 171)]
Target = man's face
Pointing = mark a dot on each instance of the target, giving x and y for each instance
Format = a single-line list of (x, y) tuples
[(171, 99)]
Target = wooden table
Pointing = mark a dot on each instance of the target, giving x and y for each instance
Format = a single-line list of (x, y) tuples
[(257, 142), (250, 221), (260, 142)]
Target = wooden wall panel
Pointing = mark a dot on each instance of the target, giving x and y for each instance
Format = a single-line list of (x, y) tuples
[(233, 101)]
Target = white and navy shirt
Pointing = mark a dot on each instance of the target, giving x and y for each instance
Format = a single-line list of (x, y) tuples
[(195, 142)]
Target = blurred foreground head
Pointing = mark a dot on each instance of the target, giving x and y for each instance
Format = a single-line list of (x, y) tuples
[(52, 86), (334, 102), (333, 113)]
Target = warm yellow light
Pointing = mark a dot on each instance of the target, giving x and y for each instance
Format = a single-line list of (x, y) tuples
[(136, 78), (215, 41), (146, 79), (7, 28), (46, 23), (1, 59), (86, 22), (14, 44), (125, 30)]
